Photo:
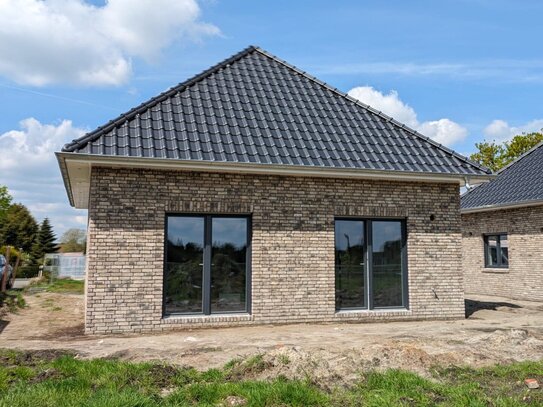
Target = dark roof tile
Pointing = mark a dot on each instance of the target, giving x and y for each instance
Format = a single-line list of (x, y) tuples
[(521, 181), (256, 108)]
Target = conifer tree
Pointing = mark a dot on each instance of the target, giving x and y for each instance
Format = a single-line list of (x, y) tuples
[(46, 237), (44, 243)]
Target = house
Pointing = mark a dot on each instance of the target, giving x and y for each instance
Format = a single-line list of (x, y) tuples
[(254, 193), (502, 231)]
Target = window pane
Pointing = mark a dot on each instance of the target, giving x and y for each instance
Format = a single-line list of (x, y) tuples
[(492, 250), (504, 246), (184, 259), (228, 264), (350, 268), (387, 263)]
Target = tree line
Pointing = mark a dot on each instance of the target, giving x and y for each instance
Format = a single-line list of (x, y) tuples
[(30, 240), (495, 156)]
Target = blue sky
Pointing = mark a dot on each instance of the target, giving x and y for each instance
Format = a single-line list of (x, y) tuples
[(459, 71)]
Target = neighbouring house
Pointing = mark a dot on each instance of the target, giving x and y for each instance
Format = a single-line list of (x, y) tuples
[(502, 231), (254, 193)]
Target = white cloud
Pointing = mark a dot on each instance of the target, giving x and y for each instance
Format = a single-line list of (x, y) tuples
[(503, 70), (29, 169), (444, 131), (389, 104), (500, 130), (409, 68), (71, 41)]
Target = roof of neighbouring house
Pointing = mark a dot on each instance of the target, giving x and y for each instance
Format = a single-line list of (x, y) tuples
[(256, 109), (518, 184)]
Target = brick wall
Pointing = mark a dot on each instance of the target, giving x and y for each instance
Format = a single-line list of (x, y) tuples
[(524, 277), (292, 244)]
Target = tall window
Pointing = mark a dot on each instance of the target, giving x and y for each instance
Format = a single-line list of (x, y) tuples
[(370, 264), (207, 263), (496, 251)]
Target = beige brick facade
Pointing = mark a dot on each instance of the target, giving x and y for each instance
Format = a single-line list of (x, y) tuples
[(523, 279), (292, 244)]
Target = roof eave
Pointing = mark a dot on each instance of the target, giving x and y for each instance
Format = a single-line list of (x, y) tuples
[(77, 165), (65, 177), (503, 206)]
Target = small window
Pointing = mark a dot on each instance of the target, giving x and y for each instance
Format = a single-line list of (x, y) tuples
[(496, 251)]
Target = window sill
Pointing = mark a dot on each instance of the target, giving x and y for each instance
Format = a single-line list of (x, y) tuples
[(498, 270), (204, 319), (372, 313)]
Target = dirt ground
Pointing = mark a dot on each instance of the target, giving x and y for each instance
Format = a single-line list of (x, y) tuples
[(497, 330)]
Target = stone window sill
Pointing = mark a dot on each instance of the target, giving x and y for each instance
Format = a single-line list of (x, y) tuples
[(500, 270), (188, 319), (373, 312)]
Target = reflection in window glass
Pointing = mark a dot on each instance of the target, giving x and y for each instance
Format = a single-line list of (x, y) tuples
[(387, 263), (496, 251), (492, 250), (228, 264), (504, 250), (350, 267), (184, 261)]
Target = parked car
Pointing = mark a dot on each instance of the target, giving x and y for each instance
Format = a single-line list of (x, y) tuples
[(3, 268)]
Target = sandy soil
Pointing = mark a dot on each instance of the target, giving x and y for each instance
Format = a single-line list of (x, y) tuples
[(497, 330)]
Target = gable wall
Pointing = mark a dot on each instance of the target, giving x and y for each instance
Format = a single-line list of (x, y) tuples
[(292, 244), (524, 277)]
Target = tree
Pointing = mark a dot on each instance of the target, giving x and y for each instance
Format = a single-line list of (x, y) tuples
[(18, 228), (5, 202), (45, 243), (73, 240), (496, 156), (31, 267), (489, 154), (521, 144), (46, 237)]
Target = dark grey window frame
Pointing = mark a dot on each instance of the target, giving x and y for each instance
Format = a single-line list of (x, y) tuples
[(206, 277), (498, 236), (368, 237)]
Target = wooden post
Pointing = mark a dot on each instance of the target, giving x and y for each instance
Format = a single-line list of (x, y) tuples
[(6, 269), (16, 267)]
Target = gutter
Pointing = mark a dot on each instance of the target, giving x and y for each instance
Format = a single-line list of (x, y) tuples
[(270, 169), (89, 160), (65, 178)]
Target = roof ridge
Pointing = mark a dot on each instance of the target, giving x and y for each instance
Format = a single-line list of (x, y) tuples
[(372, 110), (88, 137), (516, 160)]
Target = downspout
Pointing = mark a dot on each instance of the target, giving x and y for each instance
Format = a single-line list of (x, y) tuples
[(467, 184)]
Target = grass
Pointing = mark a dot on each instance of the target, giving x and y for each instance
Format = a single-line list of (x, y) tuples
[(50, 304), (51, 378), (284, 359), (11, 301), (61, 285)]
